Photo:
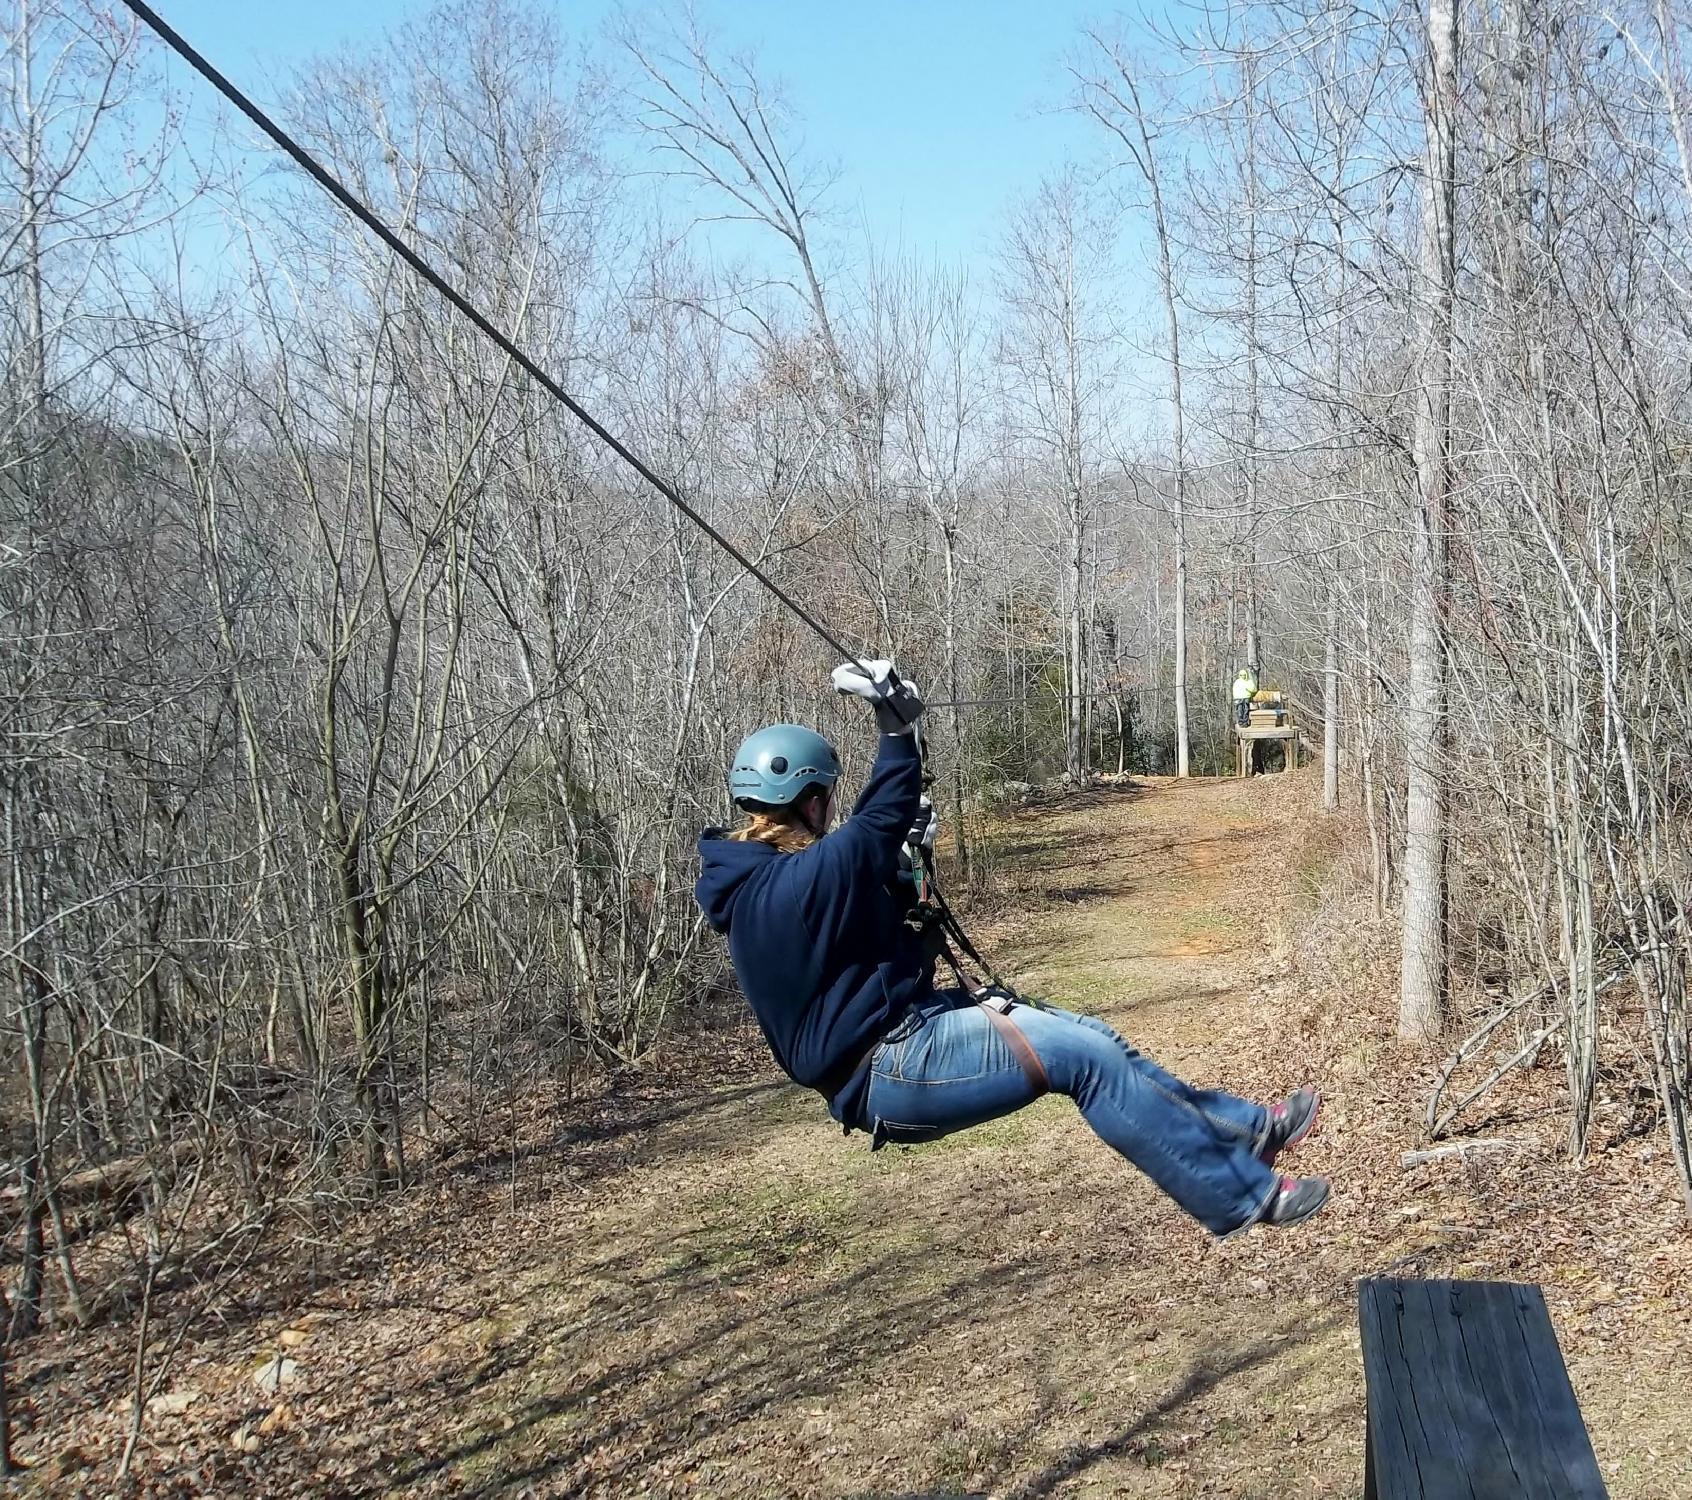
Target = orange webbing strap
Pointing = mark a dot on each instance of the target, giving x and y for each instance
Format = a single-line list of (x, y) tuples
[(1020, 1049)]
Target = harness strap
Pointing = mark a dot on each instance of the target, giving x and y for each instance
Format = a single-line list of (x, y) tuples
[(995, 998), (1013, 1038), (953, 929), (996, 1001)]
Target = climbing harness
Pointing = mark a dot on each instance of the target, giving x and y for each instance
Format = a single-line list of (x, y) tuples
[(996, 998), (937, 924), (1011, 1034), (938, 928)]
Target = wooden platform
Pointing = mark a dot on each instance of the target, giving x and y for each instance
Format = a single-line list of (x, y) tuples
[(1468, 1396), (1247, 740)]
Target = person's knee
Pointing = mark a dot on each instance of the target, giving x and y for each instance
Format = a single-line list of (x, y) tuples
[(1074, 1054), (1102, 1028), (1091, 1023)]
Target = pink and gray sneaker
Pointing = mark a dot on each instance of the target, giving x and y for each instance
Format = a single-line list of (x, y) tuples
[(1295, 1200), (1289, 1122)]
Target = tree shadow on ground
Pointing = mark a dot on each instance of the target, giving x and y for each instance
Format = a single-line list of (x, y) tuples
[(1079, 894), (600, 1421), (920, 1495), (1206, 1374), (621, 1133), (673, 1344), (1095, 794)]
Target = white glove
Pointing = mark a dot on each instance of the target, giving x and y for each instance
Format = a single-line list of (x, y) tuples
[(897, 704), (925, 828)]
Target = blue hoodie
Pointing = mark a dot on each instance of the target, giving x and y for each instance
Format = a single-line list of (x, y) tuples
[(818, 938)]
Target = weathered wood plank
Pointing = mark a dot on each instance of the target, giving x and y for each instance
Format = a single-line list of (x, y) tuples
[(1468, 1396)]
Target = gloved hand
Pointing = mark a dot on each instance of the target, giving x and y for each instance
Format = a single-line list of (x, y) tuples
[(897, 705), (924, 829)]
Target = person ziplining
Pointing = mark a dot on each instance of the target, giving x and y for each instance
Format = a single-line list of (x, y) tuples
[(840, 984), (843, 988)]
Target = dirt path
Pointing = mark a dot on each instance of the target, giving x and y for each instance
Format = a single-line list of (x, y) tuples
[(724, 1297), (766, 1308)]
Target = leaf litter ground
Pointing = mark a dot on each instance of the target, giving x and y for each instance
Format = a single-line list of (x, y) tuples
[(691, 1284)]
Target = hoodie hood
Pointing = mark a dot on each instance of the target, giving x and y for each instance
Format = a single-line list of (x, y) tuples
[(725, 866)]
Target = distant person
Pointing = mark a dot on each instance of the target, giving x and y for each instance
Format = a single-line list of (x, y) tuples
[(1245, 687), (838, 981)]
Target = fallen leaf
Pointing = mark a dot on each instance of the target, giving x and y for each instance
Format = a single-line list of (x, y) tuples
[(274, 1372)]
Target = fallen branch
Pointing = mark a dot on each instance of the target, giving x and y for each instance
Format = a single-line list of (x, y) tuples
[(1470, 1045), (1459, 1148), (1526, 1050), (1438, 1123), (118, 1183)]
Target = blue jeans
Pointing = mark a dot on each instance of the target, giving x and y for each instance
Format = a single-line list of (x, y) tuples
[(945, 1068)]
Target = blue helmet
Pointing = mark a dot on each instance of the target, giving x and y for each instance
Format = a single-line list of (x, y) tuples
[(773, 767)]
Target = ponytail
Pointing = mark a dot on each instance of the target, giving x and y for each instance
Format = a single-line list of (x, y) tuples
[(781, 830)]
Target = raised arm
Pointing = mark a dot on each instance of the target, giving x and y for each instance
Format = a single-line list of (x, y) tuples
[(887, 807)]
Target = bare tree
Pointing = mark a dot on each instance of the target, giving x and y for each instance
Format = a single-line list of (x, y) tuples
[(1423, 978), (1109, 93), (70, 73), (1052, 271)]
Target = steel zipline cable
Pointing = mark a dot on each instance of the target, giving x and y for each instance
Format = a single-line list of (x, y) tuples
[(367, 217)]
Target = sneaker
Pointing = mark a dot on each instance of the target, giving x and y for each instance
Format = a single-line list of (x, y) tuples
[(1295, 1200), (1289, 1122)]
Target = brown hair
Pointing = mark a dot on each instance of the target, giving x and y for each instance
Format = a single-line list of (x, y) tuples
[(781, 829)]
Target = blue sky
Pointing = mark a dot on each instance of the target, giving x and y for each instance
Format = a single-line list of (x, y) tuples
[(936, 112)]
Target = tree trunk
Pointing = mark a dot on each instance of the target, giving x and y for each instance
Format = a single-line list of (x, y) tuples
[(1254, 404), (960, 834), (1134, 131), (1422, 981), (1077, 670), (1077, 520), (7, 1467), (1330, 705), (28, 793)]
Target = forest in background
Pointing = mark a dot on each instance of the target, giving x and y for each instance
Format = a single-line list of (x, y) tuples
[(361, 713)]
